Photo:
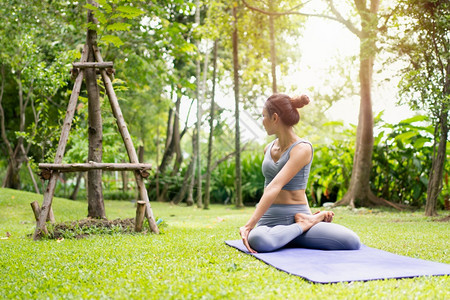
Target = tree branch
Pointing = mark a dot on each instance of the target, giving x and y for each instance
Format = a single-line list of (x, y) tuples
[(36, 115), (341, 19), (361, 6), (284, 13), (221, 160), (30, 91), (387, 17), (338, 17), (374, 6)]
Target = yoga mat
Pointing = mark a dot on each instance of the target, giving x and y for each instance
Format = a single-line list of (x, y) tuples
[(325, 266)]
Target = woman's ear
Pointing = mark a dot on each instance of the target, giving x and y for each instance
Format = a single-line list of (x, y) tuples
[(275, 117)]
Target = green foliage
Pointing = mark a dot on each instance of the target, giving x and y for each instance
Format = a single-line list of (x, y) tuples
[(111, 39), (190, 260), (252, 178), (70, 230), (402, 156), (111, 191), (332, 167), (401, 163), (400, 169), (223, 179), (424, 45), (111, 17), (223, 183), (113, 145), (156, 63)]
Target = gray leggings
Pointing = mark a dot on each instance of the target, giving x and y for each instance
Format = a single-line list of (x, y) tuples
[(277, 229)]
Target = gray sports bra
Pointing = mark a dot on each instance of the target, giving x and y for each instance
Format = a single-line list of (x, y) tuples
[(270, 168)]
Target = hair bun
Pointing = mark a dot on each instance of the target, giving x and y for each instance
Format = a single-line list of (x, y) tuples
[(300, 101)]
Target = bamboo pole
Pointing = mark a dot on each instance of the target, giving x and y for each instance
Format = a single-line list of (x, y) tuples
[(140, 214), (48, 194), (127, 140), (84, 65), (79, 167)]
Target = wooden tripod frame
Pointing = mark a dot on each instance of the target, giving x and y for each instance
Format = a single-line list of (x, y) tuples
[(51, 171)]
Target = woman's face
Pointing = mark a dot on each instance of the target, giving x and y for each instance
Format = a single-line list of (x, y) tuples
[(267, 122)]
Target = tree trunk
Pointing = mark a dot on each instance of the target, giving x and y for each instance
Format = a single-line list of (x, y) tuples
[(273, 55), (186, 184), (16, 158), (190, 198), (157, 160), (438, 161), (74, 194), (359, 193), (199, 121), (124, 181), (96, 208), (199, 113), (12, 178), (173, 148), (171, 136), (141, 152), (169, 132), (238, 182), (436, 173), (211, 130)]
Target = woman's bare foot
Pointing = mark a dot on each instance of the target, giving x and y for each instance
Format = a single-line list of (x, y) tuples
[(328, 216), (307, 221)]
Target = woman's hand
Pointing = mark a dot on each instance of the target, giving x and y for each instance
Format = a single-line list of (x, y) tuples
[(244, 231), (328, 216)]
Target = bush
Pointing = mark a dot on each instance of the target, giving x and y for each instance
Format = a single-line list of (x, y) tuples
[(223, 180), (402, 162), (331, 169)]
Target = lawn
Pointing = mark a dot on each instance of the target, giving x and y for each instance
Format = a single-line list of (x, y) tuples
[(189, 259)]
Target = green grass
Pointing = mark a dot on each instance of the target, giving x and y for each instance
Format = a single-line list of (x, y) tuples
[(189, 260)]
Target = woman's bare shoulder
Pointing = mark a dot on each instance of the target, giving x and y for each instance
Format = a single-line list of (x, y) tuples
[(302, 149)]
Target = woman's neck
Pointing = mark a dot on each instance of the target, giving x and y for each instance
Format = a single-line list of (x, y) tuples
[(286, 138)]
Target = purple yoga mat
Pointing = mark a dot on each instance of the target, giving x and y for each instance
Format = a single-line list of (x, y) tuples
[(324, 266)]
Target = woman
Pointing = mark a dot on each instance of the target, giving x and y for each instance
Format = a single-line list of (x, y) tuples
[(282, 216)]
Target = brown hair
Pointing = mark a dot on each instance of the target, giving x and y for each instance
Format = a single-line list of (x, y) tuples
[(286, 107)]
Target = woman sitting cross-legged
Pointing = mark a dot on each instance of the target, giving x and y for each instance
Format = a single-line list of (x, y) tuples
[(282, 216)]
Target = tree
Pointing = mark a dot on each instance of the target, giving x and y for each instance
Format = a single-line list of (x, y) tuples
[(359, 193), (238, 182), (31, 71), (273, 14), (426, 81), (211, 128), (96, 206), (197, 147), (170, 36)]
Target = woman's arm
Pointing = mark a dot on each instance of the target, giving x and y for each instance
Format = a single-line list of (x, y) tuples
[(300, 156)]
